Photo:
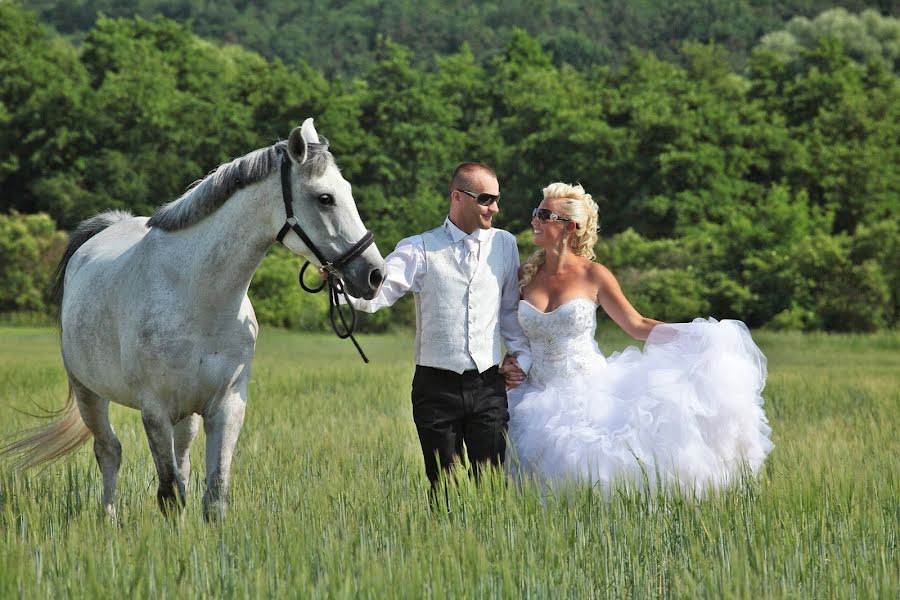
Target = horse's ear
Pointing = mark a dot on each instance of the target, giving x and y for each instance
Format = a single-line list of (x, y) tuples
[(297, 146), (308, 131), (300, 138)]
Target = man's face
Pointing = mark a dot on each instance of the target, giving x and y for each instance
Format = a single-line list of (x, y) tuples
[(466, 212)]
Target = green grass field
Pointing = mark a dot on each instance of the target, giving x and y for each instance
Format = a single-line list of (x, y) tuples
[(329, 495)]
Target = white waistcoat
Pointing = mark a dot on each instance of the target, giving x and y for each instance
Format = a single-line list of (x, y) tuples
[(456, 319)]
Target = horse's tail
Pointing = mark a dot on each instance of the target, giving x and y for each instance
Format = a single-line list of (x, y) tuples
[(39, 445), (85, 231)]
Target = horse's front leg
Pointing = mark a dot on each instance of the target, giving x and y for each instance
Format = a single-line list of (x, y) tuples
[(185, 432), (222, 426), (160, 434)]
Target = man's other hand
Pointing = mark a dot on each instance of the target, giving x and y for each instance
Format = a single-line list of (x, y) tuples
[(512, 373)]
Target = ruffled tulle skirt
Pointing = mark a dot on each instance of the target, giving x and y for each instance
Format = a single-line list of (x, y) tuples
[(686, 411)]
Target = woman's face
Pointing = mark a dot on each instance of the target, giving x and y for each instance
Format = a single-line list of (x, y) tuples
[(550, 232)]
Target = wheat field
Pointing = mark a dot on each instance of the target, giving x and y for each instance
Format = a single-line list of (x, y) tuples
[(329, 497)]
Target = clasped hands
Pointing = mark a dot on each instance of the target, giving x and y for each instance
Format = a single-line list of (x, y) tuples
[(512, 373)]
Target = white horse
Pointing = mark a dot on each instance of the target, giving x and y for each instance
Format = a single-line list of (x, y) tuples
[(154, 313)]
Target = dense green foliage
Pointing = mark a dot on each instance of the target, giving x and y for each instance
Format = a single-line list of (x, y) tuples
[(329, 495), (29, 246), (862, 36), (768, 193), (341, 37)]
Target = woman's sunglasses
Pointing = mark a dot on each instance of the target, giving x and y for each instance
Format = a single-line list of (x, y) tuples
[(483, 198), (543, 215)]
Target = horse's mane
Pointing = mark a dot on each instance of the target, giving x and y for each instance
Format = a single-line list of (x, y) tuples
[(205, 196)]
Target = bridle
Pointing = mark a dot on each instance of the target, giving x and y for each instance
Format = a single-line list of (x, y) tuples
[(331, 267)]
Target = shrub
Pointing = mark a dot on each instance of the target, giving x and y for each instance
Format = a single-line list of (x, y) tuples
[(30, 247), (844, 296), (278, 299), (675, 295)]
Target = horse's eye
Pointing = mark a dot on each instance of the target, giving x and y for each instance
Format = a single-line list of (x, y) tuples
[(326, 200)]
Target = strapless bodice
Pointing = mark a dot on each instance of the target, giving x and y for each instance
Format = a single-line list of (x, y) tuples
[(562, 340)]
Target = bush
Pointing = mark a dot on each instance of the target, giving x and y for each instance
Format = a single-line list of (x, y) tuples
[(793, 317), (881, 243), (30, 247), (278, 298), (630, 250), (844, 296), (674, 295), (663, 279)]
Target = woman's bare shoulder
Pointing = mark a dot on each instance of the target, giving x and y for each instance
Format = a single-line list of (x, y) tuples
[(603, 280), (599, 273)]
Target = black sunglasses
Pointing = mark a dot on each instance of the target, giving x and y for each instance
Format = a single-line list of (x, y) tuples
[(483, 198), (543, 215)]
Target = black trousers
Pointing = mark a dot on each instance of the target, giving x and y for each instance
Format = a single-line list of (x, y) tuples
[(450, 409)]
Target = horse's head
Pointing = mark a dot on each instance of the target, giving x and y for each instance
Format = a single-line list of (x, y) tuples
[(325, 210)]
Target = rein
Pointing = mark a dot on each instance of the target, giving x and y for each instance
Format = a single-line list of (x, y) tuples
[(332, 268)]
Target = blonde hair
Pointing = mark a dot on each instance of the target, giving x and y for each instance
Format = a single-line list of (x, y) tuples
[(576, 205)]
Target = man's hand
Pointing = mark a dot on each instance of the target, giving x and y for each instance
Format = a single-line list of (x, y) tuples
[(512, 374)]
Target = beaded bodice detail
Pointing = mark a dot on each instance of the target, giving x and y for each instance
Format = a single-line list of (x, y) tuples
[(562, 340)]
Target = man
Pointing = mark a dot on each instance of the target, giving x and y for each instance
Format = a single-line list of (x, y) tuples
[(464, 275)]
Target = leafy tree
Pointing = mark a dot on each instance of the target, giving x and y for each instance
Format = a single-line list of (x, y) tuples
[(165, 102), (845, 117), (864, 37), (406, 148), (552, 122), (472, 92), (43, 98)]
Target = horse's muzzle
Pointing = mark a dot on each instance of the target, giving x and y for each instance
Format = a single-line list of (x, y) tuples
[(365, 279)]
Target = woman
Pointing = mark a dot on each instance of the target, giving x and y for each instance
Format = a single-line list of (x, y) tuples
[(686, 410)]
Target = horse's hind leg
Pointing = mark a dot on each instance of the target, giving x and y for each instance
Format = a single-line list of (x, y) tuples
[(185, 432), (160, 434), (107, 449)]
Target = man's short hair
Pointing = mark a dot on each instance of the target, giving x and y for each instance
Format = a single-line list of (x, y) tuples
[(464, 175)]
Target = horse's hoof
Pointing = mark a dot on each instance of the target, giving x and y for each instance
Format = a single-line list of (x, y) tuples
[(214, 512), (171, 504)]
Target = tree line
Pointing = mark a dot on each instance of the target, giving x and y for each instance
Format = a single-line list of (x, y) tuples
[(339, 38), (767, 193)]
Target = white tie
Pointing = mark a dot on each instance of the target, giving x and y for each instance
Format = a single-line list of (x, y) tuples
[(470, 260)]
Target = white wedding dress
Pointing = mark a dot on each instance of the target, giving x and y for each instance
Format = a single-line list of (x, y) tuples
[(687, 410)]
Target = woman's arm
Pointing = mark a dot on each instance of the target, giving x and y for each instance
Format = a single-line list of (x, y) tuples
[(617, 306)]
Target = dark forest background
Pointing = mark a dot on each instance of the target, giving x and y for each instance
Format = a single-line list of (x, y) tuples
[(745, 155)]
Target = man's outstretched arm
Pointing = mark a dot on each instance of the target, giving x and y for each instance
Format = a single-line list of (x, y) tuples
[(404, 269)]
